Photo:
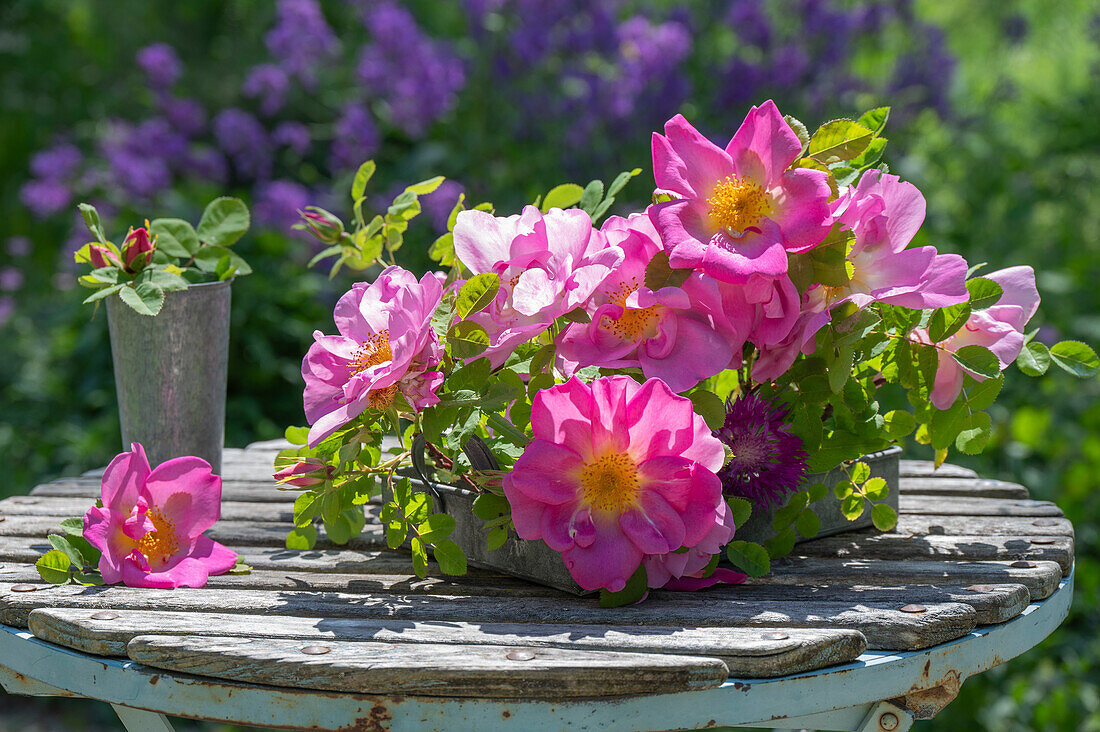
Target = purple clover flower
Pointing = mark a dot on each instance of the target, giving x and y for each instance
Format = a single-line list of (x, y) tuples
[(207, 163), (269, 84), (18, 246), (186, 116), (161, 64), (45, 197), (245, 141), (418, 93), (356, 139), (277, 203), (293, 135), (11, 279), (301, 39), (768, 461), (749, 20), (136, 160), (439, 203)]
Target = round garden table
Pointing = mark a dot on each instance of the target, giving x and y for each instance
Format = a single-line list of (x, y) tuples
[(860, 631)]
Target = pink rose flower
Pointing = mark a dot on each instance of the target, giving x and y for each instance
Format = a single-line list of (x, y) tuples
[(683, 570), (386, 345), (884, 214), (150, 526), (616, 471), (549, 264), (667, 332), (737, 211), (999, 328)]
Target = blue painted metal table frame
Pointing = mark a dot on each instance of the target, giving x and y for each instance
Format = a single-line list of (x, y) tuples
[(850, 697)]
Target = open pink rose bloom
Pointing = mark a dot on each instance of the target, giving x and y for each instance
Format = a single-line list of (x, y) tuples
[(150, 526), (386, 345), (619, 472), (737, 211)]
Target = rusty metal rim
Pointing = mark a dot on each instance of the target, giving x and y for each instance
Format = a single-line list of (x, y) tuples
[(820, 698)]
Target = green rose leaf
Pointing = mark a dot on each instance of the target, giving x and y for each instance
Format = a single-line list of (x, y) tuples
[(497, 537), (974, 434), (591, 196), (818, 491), (61, 544), (1034, 359), (144, 298), (73, 526), (841, 139), (860, 472), (852, 506), (781, 544), (946, 322), (899, 423), (749, 557), (425, 187), (296, 435), (53, 567), (710, 407), (436, 528), (224, 221), (876, 489), (362, 177), (306, 506), (875, 119), (979, 360), (449, 556), (209, 257), (621, 180), (467, 339), (302, 538), (477, 294), (808, 524), (1075, 357), (563, 196), (883, 516), (984, 293), (175, 237), (741, 509)]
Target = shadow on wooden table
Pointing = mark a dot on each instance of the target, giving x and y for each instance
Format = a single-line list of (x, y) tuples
[(44, 714)]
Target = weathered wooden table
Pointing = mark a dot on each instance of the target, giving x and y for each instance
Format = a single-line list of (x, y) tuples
[(860, 631)]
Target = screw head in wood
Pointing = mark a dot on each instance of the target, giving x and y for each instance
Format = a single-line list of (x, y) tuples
[(888, 721), (776, 636), (520, 655), (23, 588), (316, 650), (913, 608), (1023, 564), (1043, 540), (106, 615), (979, 588), (1045, 522)]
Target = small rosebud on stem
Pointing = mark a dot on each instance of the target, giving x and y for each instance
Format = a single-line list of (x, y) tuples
[(102, 257), (327, 227), (137, 249), (310, 471)]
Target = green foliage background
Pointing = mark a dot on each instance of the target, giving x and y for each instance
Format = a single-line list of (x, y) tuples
[(1012, 177)]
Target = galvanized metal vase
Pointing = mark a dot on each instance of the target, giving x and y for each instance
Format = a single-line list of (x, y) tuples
[(170, 373)]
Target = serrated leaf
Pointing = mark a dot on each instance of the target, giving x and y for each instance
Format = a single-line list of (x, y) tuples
[(297, 435), (425, 187), (1034, 359), (305, 508), (841, 139), (978, 360), (563, 196), (852, 507), (784, 517), (875, 119), (467, 339), (591, 197), (859, 472), (884, 517), (1076, 358), (741, 508), (477, 294), (175, 237), (145, 300), (946, 322), (224, 221), (875, 488), (496, 538), (436, 528), (782, 543), (984, 293), (808, 524), (73, 526), (53, 567), (61, 544), (709, 406), (899, 423), (749, 557), (799, 129), (818, 492), (450, 557), (362, 177), (419, 557), (621, 180), (302, 538), (974, 433)]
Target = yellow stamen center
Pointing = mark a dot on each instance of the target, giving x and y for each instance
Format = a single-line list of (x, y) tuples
[(635, 323), (737, 204), (375, 351), (381, 399), (610, 483), (162, 542)]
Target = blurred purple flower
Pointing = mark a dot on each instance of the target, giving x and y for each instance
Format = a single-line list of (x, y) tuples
[(186, 116), (922, 77), (11, 279), (438, 204), (56, 163), (276, 204), (207, 164), (136, 156), (749, 20), (355, 140), (293, 135), (161, 64), (18, 246), (44, 197), (63, 281), (7, 307), (155, 137), (418, 93), (246, 142), (269, 84), (301, 39)]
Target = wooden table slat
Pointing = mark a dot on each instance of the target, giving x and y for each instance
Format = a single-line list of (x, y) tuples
[(919, 503), (928, 469), (964, 487), (752, 652), (430, 669)]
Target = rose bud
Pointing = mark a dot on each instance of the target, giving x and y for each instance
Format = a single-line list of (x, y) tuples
[(322, 224), (101, 256), (304, 474), (138, 249)]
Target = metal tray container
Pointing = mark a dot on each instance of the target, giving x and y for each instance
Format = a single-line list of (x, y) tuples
[(534, 561)]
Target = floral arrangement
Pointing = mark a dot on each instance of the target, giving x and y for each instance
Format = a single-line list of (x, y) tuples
[(164, 256), (643, 387), (146, 528)]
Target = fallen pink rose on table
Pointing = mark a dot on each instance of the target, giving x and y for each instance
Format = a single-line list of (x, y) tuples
[(150, 526)]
